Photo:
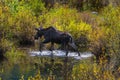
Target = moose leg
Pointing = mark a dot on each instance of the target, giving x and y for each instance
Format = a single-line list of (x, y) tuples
[(97, 59), (51, 49), (52, 46), (42, 43), (74, 47), (66, 48), (40, 47)]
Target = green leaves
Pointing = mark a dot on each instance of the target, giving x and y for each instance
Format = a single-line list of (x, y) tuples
[(65, 19)]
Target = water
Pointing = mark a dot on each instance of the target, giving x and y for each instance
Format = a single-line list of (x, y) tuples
[(49, 64), (61, 53)]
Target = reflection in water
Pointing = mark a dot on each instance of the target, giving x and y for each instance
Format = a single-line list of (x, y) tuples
[(65, 71), (53, 67), (56, 68)]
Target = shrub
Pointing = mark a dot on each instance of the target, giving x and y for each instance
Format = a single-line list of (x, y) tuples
[(18, 22), (93, 72), (37, 6), (65, 19), (111, 21)]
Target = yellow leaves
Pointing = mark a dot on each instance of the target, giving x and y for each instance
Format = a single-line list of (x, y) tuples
[(6, 8), (36, 77), (0, 11), (91, 71), (5, 43), (1, 71), (84, 27), (62, 16), (108, 75), (22, 77), (58, 26), (10, 21), (96, 71), (119, 69), (111, 16), (78, 28), (82, 67), (100, 33)]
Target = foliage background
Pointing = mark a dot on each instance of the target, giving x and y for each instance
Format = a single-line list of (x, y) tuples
[(94, 25)]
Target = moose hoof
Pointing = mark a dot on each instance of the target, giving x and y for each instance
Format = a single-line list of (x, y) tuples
[(66, 54)]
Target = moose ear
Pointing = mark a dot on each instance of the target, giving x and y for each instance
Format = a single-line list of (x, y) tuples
[(37, 29)]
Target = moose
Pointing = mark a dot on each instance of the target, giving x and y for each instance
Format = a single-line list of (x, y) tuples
[(52, 35)]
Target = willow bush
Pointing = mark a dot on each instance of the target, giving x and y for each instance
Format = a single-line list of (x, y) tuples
[(18, 22), (65, 19), (104, 38), (4, 29), (111, 21), (93, 72)]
